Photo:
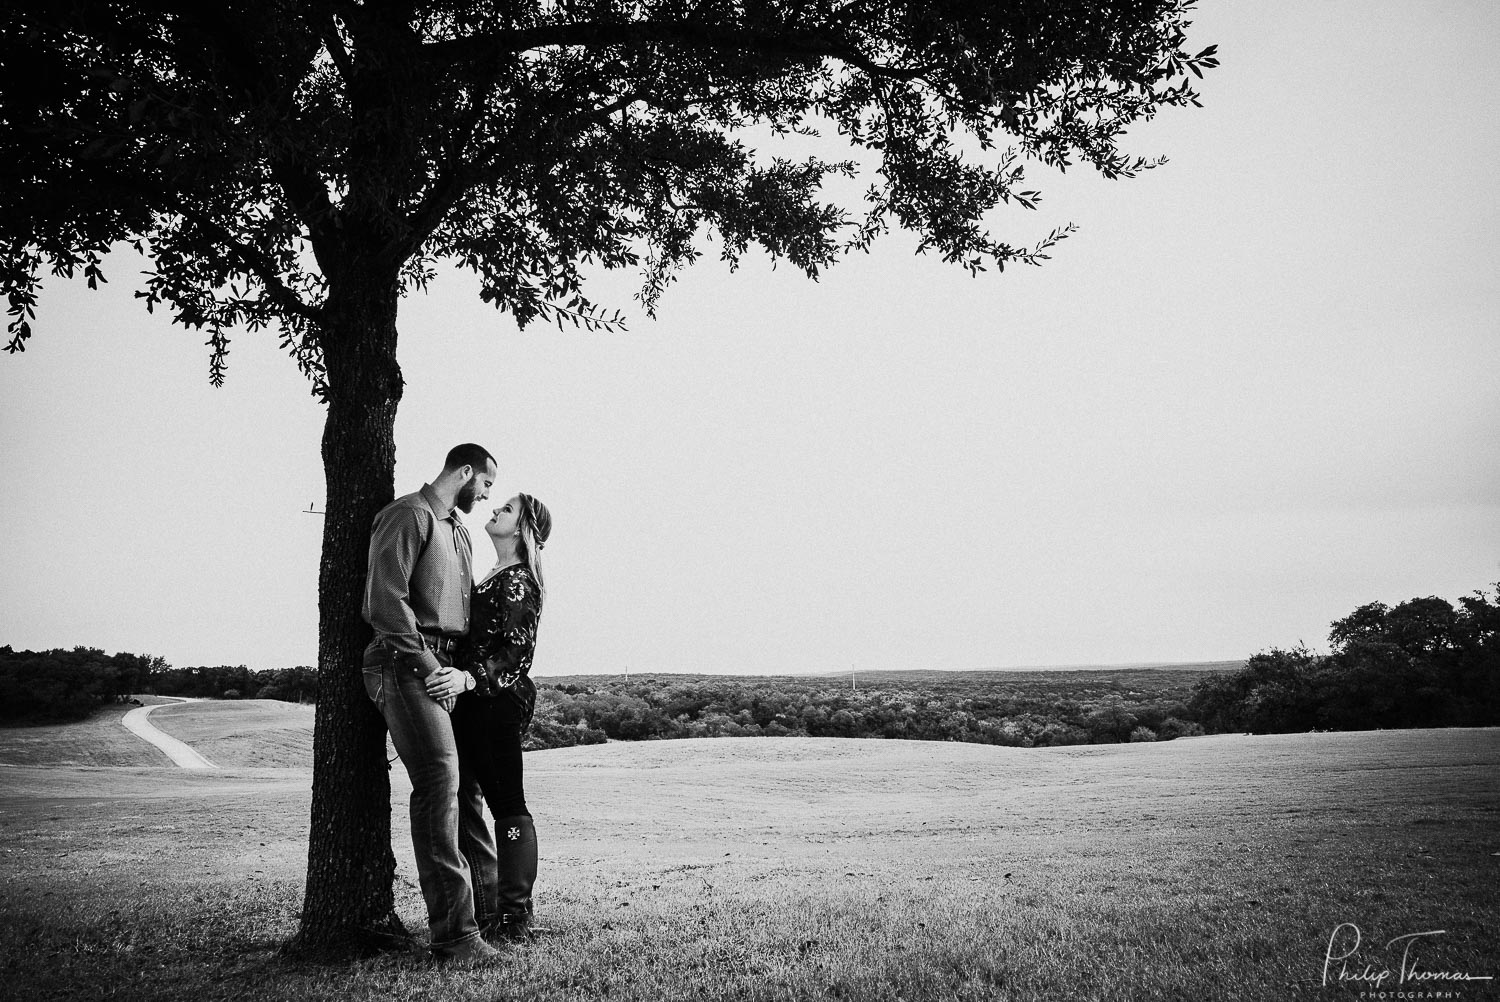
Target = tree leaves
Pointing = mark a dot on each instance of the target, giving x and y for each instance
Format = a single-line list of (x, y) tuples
[(259, 154)]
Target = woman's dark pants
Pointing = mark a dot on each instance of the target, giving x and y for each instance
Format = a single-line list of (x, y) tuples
[(488, 733)]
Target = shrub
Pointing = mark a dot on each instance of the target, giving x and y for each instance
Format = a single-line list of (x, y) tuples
[(543, 734), (1059, 732), (1174, 727), (1111, 722)]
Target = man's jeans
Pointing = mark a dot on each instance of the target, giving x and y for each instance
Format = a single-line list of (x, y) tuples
[(448, 830)]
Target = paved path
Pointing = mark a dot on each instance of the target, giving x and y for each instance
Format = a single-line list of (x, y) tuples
[(135, 721)]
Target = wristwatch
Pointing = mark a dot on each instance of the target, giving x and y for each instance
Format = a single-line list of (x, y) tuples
[(468, 681)]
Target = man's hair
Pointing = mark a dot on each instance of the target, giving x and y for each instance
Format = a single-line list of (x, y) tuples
[(467, 454)]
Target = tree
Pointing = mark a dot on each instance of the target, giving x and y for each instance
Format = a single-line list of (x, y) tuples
[(1111, 721), (1279, 691), (299, 165), (1419, 626), (1367, 623), (1422, 663), (1474, 672), (66, 685)]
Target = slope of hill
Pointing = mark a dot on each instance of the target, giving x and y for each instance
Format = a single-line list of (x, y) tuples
[(244, 733), (98, 741)]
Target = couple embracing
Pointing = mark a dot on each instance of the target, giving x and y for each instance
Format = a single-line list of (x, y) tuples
[(449, 669)]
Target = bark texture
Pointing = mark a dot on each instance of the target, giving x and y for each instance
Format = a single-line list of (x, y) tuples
[(349, 902)]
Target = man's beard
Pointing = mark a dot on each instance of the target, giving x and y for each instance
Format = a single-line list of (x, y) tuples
[(466, 497)]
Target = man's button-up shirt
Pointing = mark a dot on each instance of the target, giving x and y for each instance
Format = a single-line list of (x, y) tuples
[(419, 577)]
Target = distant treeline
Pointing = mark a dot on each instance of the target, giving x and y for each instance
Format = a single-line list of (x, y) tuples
[(1424, 663), (290, 685), (67, 685), (1023, 709), (41, 686)]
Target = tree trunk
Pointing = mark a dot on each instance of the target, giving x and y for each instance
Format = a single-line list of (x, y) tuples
[(349, 904)]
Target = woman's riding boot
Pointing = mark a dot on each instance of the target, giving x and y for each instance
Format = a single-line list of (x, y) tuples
[(515, 845)]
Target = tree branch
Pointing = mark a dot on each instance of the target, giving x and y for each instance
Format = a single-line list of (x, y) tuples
[(305, 193), (283, 295), (488, 167), (159, 198), (428, 216), (601, 34), (333, 41)]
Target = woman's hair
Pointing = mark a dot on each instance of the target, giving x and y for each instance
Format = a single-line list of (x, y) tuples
[(534, 525)]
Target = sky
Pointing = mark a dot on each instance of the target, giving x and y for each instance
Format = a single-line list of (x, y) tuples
[(1256, 390)]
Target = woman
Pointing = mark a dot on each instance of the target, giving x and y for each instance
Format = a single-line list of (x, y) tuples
[(488, 721)]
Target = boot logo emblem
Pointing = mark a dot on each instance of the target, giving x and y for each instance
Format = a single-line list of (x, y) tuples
[(513, 833)]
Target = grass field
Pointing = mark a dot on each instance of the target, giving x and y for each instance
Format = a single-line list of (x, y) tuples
[(251, 733), (796, 868), (98, 741)]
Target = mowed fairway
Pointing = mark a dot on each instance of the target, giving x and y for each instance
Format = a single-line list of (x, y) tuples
[(99, 741), (787, 868), (263, 733)]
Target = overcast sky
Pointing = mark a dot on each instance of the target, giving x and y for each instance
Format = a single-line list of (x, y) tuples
[(1256, 390)]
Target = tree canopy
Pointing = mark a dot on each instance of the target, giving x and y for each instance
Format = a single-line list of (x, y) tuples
[(257, 152), (299, 165)]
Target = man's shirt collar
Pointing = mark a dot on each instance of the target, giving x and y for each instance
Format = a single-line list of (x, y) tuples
[(439, 509)]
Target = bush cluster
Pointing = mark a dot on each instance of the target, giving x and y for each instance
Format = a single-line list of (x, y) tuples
[(1424, 663)]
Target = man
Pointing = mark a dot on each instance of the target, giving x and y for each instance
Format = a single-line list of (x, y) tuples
[(417, 600)]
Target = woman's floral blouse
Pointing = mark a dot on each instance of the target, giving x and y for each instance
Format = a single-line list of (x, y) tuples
[(504, 610)]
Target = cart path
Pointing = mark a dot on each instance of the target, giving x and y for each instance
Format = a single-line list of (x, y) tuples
[(137, 722)]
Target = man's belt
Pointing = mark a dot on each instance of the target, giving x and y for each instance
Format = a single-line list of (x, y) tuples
[(440, 643)]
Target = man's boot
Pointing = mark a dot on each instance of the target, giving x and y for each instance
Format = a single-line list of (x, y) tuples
[(471, 951), (515, 849)]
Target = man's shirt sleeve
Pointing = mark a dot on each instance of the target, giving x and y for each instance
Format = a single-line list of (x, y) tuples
[(395, 544)]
